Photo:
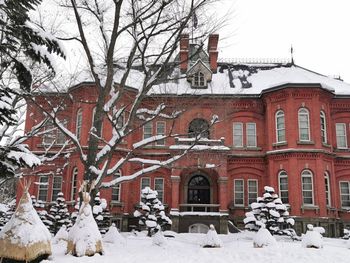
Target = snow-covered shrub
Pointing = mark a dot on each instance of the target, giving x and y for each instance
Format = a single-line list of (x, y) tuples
[(58, 214), (113, 236), (84, 238), (346, 234), (6, 212), (212, 239), (312, 238), (62, 235), (151, 213), (269, 212), (263, 238)]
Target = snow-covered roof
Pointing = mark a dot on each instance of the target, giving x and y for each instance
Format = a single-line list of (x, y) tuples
[(254, 79)]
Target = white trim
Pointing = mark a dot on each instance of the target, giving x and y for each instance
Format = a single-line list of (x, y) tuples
[(163, 140), (340, 194), (43, 185), (118, 186), (233, 133), (328, 186), (78, 127), (56, 188), (341, 124), (307, 114), (257, 190), (150, 124), (247, 135), (323, 130), (75, 172), (284, 126), (285, 175), (154, 182)]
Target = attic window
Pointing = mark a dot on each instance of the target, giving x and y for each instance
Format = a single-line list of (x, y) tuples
[(198, 80)]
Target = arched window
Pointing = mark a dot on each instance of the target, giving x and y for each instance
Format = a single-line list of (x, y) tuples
[(280, 126), (78, 124), (199, 80), (323, 127), (199, 127), (116, 188), (283, 186), (307, 187), (328, 188), (198, 190), (74, 183), (304, 124)]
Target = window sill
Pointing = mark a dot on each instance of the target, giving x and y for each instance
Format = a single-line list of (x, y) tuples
[(326, 145), (246, 148), (116, 203), (341, 149), (277, 144), (316, 208), (305, 142)]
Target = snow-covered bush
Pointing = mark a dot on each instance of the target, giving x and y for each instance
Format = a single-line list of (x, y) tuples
[(101, 214), (62, 235), (269, 212), (263, 238), (113, 236), (58, 214), (346, 234), (6, 212), (158, 237), (212, 239), (151, 212), (312, 238)]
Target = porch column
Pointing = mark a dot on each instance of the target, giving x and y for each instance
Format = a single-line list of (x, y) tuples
[(175, 192), (223, 194)]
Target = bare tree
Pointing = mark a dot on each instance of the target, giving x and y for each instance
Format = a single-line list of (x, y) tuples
[(127, 43)]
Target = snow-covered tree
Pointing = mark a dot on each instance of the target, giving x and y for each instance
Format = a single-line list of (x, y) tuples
[(59, 214), (25, 50), (6, 212), (212, 239), (269, 212), (101, 214), (151, 213), (126, 44)]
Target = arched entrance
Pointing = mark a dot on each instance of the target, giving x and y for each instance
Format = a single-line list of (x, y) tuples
[(198, 190)]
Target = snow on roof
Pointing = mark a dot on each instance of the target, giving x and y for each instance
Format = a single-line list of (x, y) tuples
[(247, 79)]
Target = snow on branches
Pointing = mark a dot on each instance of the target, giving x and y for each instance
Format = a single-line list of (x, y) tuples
[(269, 212)]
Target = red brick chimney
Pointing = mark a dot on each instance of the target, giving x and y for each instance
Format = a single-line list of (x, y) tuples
[(184, 48), (213, 52)]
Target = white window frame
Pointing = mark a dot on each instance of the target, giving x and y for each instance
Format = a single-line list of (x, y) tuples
[(328, 189), (159, 191), (304, 112), (74, 183), (280, 132), (283, 175), (344, 194), (238, 192), (43, 186), (56, 189), (323, 124), (147, 134), (250, 199), (307, 174), (249, 136), (162, 141), (79, 123), (141, 183), (237, 135), (116, 188), (343, 135)]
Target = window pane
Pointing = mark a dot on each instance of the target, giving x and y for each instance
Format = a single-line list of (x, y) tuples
[(147, 130), (341, 135), (43, 188), (74, 183), (160, 131), (251, 134), (238, 192), (56, 187), (159, 187), (116, 189), (238, 134), (252, 191), (307, 188)]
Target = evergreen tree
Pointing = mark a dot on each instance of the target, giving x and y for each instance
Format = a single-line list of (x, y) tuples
[(39, 206), (6, 212), (101, 214), (271, 213), (59, 214), (151, 213)]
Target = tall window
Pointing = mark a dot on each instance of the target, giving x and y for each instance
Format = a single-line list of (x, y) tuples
[(145, 181), (160, 131), (251, 134), (56, 186), (116, 188), (93, 117), (74, 183), (198, 80), (327, 188), (280, 126), (53, 134), (252, 191), (237, 134), (340, 130), (159, 187), (43, 188), (147, 130), (283, 187), (345, 194), (239, 192), (79, 122), (304, 124), (323, 127), (307, 187)]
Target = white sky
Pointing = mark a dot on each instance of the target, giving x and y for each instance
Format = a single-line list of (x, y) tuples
[(317, 29)]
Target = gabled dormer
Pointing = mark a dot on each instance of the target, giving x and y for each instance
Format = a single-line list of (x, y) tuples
[(199, 75)]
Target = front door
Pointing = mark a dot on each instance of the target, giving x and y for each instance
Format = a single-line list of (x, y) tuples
[(198, 191)]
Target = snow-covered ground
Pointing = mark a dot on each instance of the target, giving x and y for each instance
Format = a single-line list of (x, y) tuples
[(185, 248)]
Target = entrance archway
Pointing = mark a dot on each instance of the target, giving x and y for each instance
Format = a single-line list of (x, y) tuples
[(198, 228), (198, 190)]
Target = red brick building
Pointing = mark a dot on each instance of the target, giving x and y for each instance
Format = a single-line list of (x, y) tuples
[(280, 125)]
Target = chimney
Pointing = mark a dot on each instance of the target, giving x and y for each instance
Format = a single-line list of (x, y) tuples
[(184, 48), (213, 52)]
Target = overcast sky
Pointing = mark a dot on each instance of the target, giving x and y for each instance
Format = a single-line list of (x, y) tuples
[(318, 30)]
